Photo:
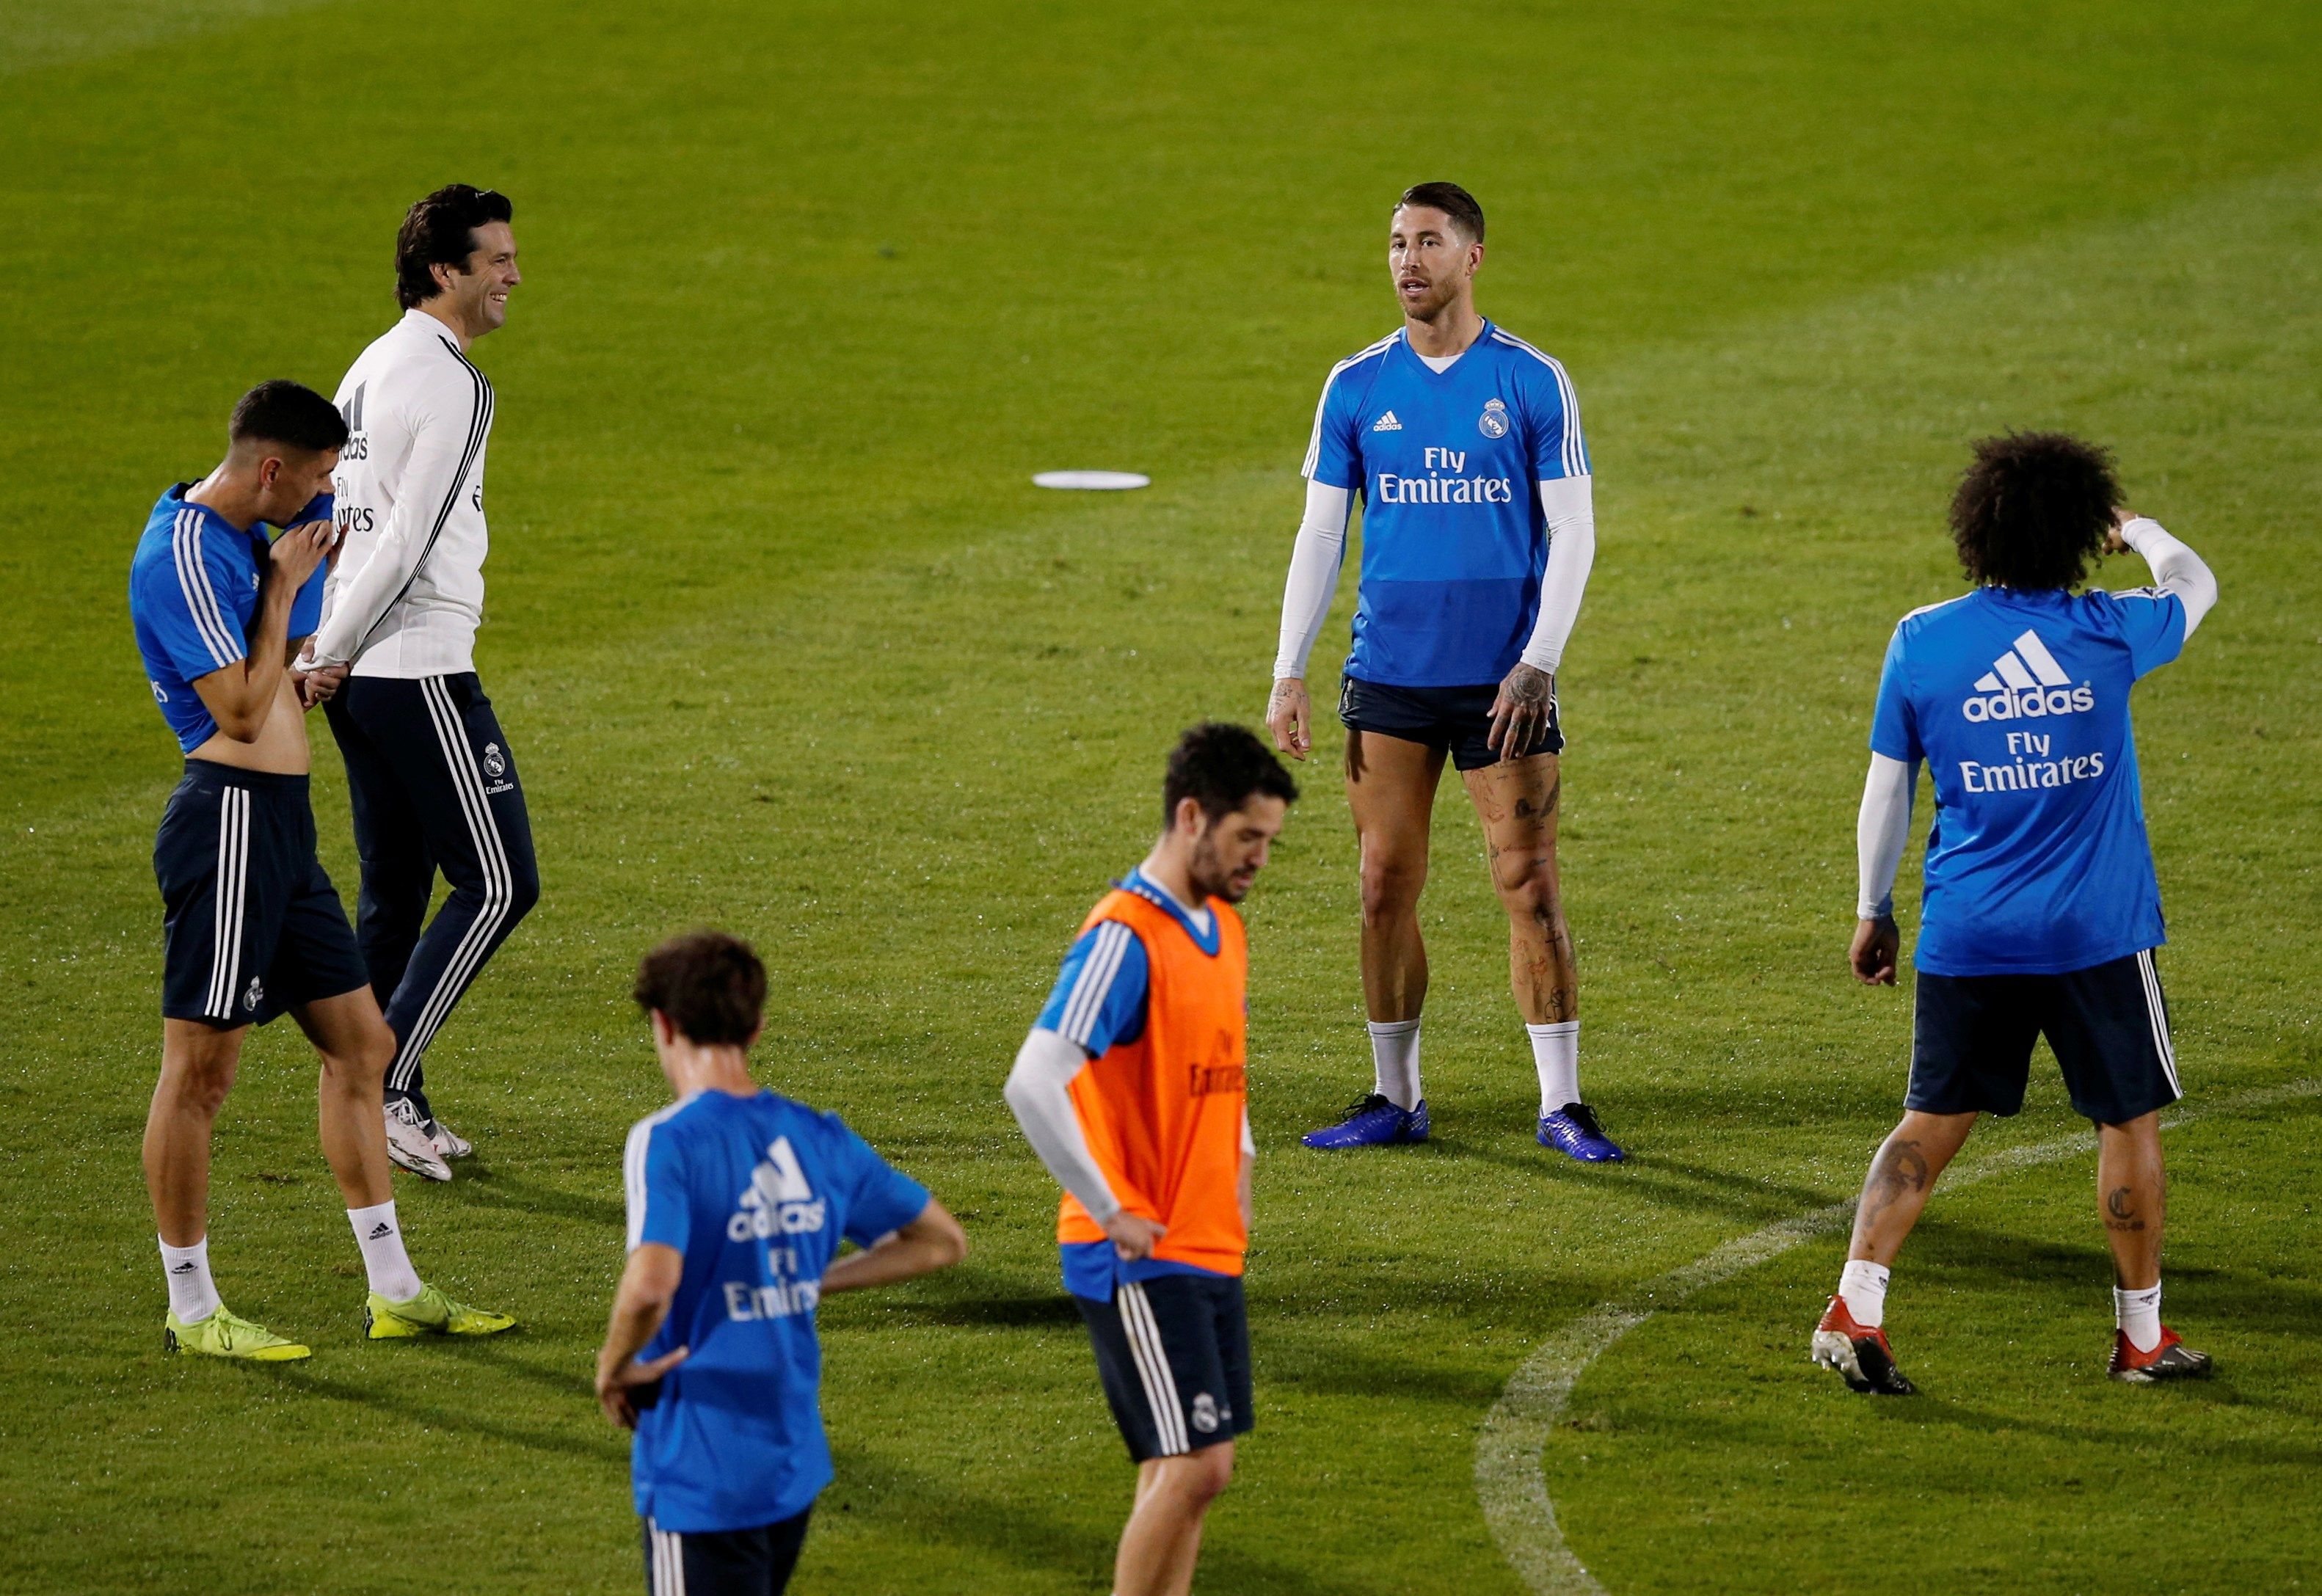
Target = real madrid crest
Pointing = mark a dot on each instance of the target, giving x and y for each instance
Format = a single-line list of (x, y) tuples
[(1494, 422), (495, 762)]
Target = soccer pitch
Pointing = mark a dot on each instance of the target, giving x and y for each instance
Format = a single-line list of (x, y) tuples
[(788, 644)]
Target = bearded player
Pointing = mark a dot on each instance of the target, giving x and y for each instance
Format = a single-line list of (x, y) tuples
[(1478, 531), (1131, 1087)]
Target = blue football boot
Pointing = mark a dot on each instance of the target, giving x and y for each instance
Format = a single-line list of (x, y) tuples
[(1573, 1131), (1372, 1122)]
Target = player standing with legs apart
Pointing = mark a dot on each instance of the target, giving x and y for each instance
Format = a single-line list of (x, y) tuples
[(2041, 911), (739, 1199), (430, 774), (1131, 1089), (1478, 531), (253, 927)]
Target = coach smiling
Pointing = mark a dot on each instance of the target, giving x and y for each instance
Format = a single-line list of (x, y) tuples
[(429, 772)]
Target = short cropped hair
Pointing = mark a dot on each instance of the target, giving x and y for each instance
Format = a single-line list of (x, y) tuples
[(287, 413), (1452, 200), (1222, 766), (2033, 510), (711, 986), (441, 231)]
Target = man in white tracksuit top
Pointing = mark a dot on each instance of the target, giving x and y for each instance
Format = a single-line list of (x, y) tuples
[(432, 782)]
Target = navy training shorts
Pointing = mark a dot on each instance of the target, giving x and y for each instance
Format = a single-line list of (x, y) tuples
[(1971, 1039), (251, 926)]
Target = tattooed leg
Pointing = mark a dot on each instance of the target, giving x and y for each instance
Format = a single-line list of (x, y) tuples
[(1517, 801), (1904, 1173), (2131, 1191)]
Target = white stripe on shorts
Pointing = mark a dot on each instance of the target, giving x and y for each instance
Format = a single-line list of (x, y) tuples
[(1153, 1367), (226, 908), (2157, 1016)]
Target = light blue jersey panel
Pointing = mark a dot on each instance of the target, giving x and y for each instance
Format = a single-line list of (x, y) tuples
[(192, 591), (755, 1194), (1448, 464), (2038, 861)]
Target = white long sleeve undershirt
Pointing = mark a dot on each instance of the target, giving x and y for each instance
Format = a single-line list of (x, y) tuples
[(1039, 1091), (1571, 506), (2175, 569), (1881, 831), (1883, 827), (1314, 559), (1320, 546)]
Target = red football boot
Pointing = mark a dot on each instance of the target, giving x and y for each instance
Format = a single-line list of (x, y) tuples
[(2171, 1359), (1860, 1355)]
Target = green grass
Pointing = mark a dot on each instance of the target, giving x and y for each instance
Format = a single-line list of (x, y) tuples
[(787, 643)]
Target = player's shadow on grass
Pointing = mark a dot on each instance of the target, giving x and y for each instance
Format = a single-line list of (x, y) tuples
[(911, 1502), (1669, 1182), (479, 1185), (1048, 1312), (2208, 1393), (431, 1416)]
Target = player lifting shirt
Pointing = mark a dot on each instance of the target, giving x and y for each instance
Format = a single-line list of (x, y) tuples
[(1464, 442), (253, 927)]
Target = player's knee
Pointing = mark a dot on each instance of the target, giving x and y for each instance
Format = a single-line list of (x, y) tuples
[(1208, 1472), (1527, 885), (1390, 886), (202, 1084), (361, 1064)]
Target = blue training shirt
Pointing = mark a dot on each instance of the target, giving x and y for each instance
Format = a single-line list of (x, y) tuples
[(1448, 464), (193, 592), (2038, 861), (1099, 1002), (756, 1193)]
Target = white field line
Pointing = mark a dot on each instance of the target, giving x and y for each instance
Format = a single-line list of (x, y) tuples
[(1509, 1481)]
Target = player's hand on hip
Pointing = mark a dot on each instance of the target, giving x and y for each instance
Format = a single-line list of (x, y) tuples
[(297, 552), (614, 1386), (1133, 1234), (1290, 716), (1878, 945), (1520, 714)]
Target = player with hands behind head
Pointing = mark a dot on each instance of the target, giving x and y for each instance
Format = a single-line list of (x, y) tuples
[(2041, 911)]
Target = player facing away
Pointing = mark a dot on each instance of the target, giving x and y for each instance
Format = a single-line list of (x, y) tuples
[(430, 775), (739, 1199), (1464, 443), (252, 927), (2041, 911), (1131, 1090)]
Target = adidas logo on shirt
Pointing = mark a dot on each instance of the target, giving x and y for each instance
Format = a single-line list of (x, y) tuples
[(779, 1200), (2024, 683), (1386, 423)]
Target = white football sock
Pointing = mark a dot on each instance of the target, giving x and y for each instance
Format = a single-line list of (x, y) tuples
[(1862, 1287), (2138, 1315), (384, 1259), (193, 1295), (1394, 1058), (1556, 1054)]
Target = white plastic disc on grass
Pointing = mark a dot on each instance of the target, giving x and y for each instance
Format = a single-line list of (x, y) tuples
[(1095, 481)]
